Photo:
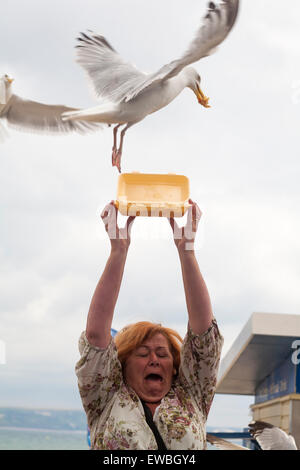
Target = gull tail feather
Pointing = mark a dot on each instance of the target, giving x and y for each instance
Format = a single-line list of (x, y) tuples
[(102, 113)]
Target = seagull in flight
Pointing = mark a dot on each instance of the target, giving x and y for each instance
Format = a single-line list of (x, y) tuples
[(128, 95), (22, 114), (271, 437)]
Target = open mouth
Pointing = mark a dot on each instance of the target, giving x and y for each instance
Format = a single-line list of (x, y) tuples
[(154, 377)]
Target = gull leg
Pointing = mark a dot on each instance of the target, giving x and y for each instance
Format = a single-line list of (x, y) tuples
[(119, 151), (114, 149)]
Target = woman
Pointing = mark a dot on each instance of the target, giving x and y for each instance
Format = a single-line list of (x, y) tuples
[(146, 389)]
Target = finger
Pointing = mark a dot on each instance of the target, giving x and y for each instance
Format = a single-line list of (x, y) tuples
[(191, 226), (198, 210), (104, 213), (105, 221), (189, 219), (194, 221), (129, 223), (105, 217), (109, 219), (172, 222), (107, 209), (195, 216), (177, 231), (115, 209), (198, 216)]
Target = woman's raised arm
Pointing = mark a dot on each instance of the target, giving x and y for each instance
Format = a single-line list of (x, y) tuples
[(197, 297), (105, 297)]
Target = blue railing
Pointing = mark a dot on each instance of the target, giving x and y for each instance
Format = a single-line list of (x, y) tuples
[(232, 435)]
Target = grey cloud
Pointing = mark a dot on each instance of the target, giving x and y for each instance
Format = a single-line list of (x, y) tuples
[(241, 157)]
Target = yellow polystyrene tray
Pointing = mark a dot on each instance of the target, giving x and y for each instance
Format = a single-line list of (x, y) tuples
[(152, 195)]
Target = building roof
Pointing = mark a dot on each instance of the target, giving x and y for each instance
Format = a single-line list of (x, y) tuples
[(262, 345)]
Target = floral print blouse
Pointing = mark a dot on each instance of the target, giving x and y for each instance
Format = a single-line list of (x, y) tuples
[(115, 413)]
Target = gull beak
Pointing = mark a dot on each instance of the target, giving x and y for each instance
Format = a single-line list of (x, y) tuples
[(202, 99), (10, 80)]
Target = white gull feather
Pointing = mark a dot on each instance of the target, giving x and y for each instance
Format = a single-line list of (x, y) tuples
[(26, 115), (271, 437)]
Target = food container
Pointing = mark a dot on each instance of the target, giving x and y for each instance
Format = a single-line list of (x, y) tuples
[(152, 195)]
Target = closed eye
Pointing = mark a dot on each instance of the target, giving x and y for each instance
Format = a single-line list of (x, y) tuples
[(142, 352), (162, 352)]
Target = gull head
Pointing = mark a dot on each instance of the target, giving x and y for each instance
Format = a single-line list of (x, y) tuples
[(7, 80), (193, 82), (5, 84)]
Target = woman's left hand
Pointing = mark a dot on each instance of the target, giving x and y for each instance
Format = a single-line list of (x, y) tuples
[(184, 237)]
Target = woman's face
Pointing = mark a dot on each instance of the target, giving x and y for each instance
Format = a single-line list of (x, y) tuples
[(149, 369)]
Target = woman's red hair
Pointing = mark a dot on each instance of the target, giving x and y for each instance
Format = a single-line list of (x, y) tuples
[(132, 336)]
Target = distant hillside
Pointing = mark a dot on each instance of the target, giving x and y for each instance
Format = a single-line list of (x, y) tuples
[(60, 420), (69, 420)]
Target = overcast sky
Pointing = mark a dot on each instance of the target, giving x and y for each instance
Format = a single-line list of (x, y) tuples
[(241, 156)]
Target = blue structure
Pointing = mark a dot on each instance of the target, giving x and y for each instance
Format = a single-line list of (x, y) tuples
[(113, 332), (283, 380), (264, 361)]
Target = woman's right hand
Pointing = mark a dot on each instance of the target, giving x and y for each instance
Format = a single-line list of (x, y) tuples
[(119, 237)]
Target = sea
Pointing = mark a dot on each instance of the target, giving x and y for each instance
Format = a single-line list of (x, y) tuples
[(45, 429), (42, 439)]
